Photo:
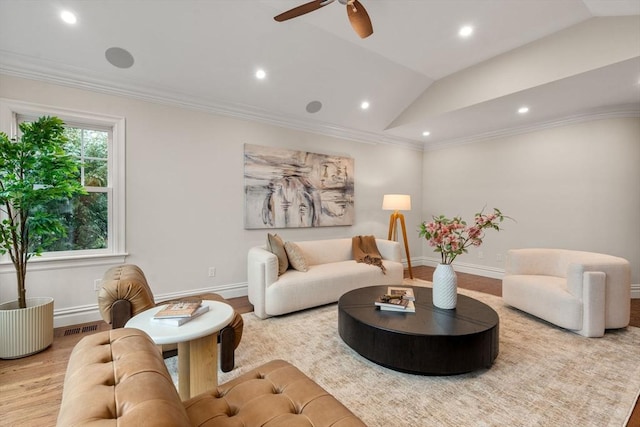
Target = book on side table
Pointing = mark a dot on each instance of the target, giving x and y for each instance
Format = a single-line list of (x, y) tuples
[(177, 321), (178, 313)]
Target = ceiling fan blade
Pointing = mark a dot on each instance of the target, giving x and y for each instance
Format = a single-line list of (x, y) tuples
[(302, 9), (359, 19)]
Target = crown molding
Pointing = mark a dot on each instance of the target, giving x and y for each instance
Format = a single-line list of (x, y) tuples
[(610, 112), (20, 66), (78, 78)]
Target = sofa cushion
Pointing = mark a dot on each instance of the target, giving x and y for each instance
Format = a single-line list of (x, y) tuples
[(296, 256), (325, 283), (326, 251), (545, 297), (274, 394), (275, 245)]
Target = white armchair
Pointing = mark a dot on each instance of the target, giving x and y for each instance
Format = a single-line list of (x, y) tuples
[(581, 291)]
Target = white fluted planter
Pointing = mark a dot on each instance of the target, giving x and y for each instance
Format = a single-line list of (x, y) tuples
[(25, 331), (445, 287)]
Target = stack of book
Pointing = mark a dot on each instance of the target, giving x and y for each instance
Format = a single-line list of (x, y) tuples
[(397, 299), (179, 313)]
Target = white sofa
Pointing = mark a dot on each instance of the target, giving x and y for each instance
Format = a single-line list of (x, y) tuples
[(332, 271), (584, 292)]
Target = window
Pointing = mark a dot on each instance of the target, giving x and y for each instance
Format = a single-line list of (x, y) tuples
[(94, 221)]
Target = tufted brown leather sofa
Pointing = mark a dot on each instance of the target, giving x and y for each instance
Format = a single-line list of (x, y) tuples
[(118, 378), (125, 293)]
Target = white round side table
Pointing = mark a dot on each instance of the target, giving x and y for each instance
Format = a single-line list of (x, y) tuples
[(197, 342)]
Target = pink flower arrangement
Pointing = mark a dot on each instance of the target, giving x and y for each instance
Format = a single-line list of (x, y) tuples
[(452, 237)]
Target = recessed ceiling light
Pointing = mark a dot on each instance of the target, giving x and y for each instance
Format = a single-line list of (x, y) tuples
[(465, 31), (261, 74), (68, 17), (523, 110), (365, 105), (426, 133)]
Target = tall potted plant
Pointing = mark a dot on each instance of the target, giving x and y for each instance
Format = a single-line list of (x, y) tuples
[(35, 170)]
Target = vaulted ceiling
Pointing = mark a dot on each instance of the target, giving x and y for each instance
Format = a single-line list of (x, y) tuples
[(560, 58)]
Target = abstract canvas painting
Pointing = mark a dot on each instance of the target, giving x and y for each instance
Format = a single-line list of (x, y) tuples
[(295, 189)]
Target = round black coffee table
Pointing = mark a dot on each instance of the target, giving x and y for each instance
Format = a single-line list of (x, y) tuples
[(431, 341)]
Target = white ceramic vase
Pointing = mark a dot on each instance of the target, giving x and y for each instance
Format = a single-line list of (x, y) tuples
[(445, 287)]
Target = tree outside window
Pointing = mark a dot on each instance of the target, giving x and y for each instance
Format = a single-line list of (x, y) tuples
[(86, 217)]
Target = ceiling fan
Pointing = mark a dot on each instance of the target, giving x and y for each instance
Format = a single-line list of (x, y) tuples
[(357, 14)]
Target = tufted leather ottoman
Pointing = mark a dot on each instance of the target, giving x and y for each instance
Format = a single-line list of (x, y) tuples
[(118, 378)]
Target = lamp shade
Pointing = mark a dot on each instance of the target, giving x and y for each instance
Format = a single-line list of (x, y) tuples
[(396, 202)]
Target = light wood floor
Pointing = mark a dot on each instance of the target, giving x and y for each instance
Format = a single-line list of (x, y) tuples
[(31, 388)]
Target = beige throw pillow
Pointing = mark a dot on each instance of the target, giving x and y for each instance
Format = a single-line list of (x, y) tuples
[(296, 257), (275, 245)]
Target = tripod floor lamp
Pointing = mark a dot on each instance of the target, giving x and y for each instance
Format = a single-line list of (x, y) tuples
[(397, 203)]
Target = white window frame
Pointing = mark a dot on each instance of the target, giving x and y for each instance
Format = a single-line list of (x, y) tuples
[(116, 249)]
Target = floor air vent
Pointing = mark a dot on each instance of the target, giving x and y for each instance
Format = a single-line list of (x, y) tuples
[(90, 328), (72, 331), (75, 330)]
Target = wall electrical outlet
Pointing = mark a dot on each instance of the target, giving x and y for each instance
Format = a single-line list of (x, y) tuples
[(480, 254), (212, 272), (97, 284), (499, 258)]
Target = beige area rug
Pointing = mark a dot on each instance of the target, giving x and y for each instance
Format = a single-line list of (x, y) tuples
[(543, 375)]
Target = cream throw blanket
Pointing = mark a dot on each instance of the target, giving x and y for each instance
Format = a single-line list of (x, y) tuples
[(365, 250)]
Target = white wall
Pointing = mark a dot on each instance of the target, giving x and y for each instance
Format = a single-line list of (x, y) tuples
[(185, 198), (575, 187)]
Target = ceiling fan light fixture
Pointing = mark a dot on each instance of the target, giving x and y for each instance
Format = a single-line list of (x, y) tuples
[(357, 14)]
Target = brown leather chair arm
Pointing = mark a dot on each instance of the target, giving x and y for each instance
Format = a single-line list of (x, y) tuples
[(120, 313), (124, 282), (236, 323), (226, 338)]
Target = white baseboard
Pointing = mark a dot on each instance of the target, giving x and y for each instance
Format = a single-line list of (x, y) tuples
[(76, 315), (90, 313), (232, 290), (462, 267)]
